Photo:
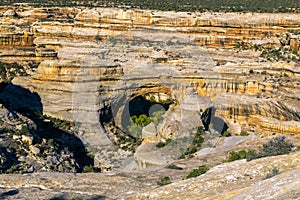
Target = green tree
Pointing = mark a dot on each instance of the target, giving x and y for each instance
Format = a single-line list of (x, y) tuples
[(142, 121), (135, 130)]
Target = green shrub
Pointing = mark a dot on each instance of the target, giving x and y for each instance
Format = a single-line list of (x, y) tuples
[(237, 155), (277, 146), (172, 166), (169, 43), (226, 134), (264, 72), (137, 124), (192, 149), (164, 181), (112, 40), (196, 144), (157, 117), (198, 140), (142, 120), (12, 169), (197, 172), (274, 172), (200, 130), (251, 71), (134, 130), (10, 70), (160, 144), (25, 131), (163, 144), (89, 168), (244, 134)]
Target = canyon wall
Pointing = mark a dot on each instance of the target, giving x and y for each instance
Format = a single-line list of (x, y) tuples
[(93, 62)]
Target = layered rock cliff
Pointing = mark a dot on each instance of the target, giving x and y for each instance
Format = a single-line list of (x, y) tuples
[(193, 76), (94, 60)]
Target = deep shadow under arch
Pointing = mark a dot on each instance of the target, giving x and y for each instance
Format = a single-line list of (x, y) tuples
[(219, 124)]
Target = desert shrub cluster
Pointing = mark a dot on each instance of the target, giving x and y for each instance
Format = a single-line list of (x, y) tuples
[(267, 6), (277, 146)]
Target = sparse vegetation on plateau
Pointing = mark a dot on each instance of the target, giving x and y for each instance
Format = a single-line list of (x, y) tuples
[(269, 6), (295, 32), (282, 53)]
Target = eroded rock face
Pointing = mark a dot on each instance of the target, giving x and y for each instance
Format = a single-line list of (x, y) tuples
[(271, 126), (10, 14), (237, 180), (88, 16), (102, 58)]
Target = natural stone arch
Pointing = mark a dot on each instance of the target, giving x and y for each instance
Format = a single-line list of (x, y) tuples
[(120, 107), (153, 88)]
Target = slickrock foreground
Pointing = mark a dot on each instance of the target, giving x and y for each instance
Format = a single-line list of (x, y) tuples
[(235, 180), (238, 180)]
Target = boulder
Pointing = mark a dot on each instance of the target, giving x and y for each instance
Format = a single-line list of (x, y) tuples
[(102, 164), (149, 133), (88, 16), (27, 139), (10, 13), (34, 150)]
